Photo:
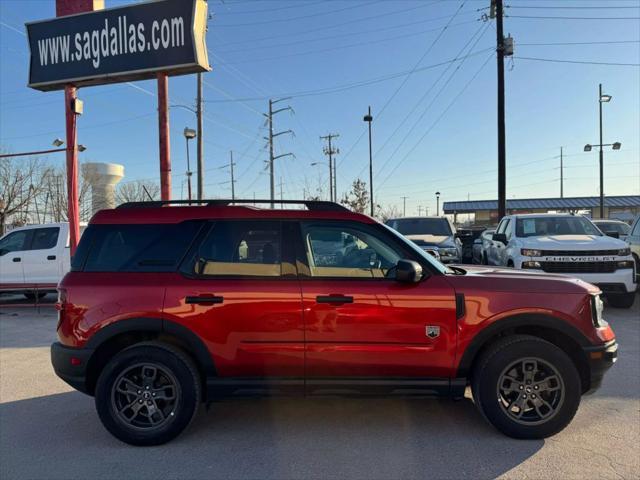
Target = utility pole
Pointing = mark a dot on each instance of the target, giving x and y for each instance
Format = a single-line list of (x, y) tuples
[(330, 151), (368, 118), (419, 210), (497, 12), (200, 140), (404, 206), (272, 157), (561, 176), (233, 181)]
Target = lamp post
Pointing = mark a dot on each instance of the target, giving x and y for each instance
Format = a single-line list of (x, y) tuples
[(437, 204), (602, 98), (56, 143), (314, 164), (368, 118), (189, 134)]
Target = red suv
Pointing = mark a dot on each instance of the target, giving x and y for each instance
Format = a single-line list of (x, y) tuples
[(169, 306)]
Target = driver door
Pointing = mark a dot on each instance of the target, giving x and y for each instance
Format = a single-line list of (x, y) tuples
[(361, 322)]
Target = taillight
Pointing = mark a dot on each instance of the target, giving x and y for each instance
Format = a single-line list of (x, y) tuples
[(60, 304)]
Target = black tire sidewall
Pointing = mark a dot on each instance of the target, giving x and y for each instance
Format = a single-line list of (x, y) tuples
[(486, 386), (188, 401), (621, 300)]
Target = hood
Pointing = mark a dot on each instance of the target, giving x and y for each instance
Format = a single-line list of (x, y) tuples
[(438, 240), (512, 280), (573, 242)]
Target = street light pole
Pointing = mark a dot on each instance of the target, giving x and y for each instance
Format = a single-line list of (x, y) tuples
[(437, 204), (368, 118), (188, 135), (601, 155)]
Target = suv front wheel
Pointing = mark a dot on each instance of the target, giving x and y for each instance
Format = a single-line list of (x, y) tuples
[(148, 394), (526, 387)]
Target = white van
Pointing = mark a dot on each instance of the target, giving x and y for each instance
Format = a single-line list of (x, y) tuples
[(33, 259)]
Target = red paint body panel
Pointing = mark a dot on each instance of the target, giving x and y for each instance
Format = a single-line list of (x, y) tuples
[(257, 331), (383, 332)]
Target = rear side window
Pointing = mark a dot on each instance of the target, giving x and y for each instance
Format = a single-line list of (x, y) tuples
[(135, 248), (239, 248), (45, 238)]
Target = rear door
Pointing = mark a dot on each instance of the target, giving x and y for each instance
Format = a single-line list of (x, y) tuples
[(41, 262), (361, 322), (238, 291)]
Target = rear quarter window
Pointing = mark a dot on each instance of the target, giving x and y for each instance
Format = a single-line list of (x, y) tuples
[(134, 248)]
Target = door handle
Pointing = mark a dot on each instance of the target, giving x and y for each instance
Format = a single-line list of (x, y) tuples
[(51, 257), (204, 300), (339, 299), (17, 259)]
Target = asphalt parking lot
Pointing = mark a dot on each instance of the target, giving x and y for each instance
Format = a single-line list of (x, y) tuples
[(47, 430)]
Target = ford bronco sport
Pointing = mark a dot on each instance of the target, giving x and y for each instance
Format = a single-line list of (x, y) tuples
[(167, 306)]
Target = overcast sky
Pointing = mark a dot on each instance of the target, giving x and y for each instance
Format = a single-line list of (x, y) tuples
[(434, 128)]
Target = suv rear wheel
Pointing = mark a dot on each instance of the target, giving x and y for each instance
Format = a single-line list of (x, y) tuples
[(526, 387), (621, 300), (148, 394)]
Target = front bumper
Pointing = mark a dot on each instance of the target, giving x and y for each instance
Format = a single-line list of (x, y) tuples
[(70, 364), (601, 359)]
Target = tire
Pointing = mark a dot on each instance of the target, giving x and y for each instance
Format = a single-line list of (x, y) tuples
[(129, 383), (562, 392), (32, 296), (484, 259), (621, 300)]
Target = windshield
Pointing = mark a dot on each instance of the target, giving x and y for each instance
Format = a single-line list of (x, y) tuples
[(621, 228), (421, 226), (409, 244), (540, 226)]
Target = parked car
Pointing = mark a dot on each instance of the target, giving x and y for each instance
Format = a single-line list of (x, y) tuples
[(167, 306), (481, 245), (633, 239), (613, 228), (467, 237), (432, 234), (568, 244), (34, 258)]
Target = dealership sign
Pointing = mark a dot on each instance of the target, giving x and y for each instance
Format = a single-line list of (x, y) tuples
[(119, 44)]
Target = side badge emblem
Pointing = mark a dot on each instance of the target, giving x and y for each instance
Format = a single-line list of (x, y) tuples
[(433, 331)]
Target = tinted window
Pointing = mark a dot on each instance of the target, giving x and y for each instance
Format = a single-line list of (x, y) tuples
[(540, 226), (349, 252), (45, 238), (422, 226), (508, 231), (15, 242), (135, 248), (621, 228), (502, 225), (239, 249)]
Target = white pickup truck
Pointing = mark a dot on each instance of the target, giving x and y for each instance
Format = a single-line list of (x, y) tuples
[(566, 244), (33, 259)]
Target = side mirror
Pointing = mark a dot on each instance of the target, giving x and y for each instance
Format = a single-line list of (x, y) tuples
[(500, 237), (408, 271), (612, 233)]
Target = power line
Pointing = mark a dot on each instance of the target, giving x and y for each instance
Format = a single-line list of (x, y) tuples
[(572, 7), (607, 42), (269, 10), (535, 17), (581, 62)]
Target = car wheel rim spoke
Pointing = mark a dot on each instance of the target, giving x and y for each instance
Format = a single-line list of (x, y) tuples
[(145, 396), (530, 391)]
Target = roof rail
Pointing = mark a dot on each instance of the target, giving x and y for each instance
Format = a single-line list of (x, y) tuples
[(317, 205)]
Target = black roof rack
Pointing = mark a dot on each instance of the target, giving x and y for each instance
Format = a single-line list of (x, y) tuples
[(317, 205)]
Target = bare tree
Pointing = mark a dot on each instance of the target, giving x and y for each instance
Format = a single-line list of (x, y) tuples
[(55, 199), (137, 191), (315, 193), (358, 198), (385, 213), (22, 180)]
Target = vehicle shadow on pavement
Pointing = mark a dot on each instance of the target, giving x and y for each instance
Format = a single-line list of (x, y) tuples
[(61, 436)]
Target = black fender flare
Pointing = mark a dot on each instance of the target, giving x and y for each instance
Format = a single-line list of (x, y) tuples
[(196, 346), (518, 320)]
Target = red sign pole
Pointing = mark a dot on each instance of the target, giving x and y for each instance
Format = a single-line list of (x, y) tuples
[(70, 95), (163, 131)]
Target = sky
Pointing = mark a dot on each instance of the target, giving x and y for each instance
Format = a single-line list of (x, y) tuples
[(434, 126)]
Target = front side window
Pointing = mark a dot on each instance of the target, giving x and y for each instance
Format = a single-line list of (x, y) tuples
[(239, 248), (508, 231), (348, 252), (636, 229), (15, 242), (45, 238)]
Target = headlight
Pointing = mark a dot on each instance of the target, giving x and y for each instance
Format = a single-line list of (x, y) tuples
[(596, 311), (527, 252), (623, 252), (625, 264)]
